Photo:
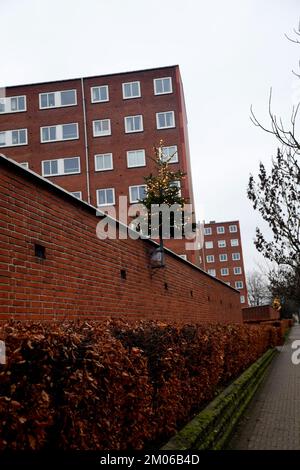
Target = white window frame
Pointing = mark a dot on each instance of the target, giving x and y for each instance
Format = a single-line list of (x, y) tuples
[(162, 92), (174, 156), (210, 259), (223, 257), (237, 270), (128, 156), (224, 272), (236, 258), (239, 282), (183, 257), (25, 165), (57, 99), (106, 204), (102, 155), (77, 192), (243, 300), (105, 133), (60, 167), (233, 228), (130, 195), (209, 245), (165, 127), (233, 242), (220, 229), (222, 243), (207, 231), (212, 272), (8, 138), (59, 133), (100, 101), (125, 124), (133, 96), (7, 100)]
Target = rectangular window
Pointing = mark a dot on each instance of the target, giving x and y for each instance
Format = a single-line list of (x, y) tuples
[(77, 194), (137, 193), (101, 128), (162, 86), (183, 257), (99, 94), (209, 245), (131, 90), (25, 165), (136, 158), (234, 242), (222, 243), (103, 162), (223, 257), (237, 270), (59, 132), (61, 166), (232, 228), (58, 99), (239, 284), (212, 272), (169, 154), (13, 104), (165, 120), (224, 272), (133, 124), (220, 229), (207, 231), (210, 259), (106, 197), (242, 299), (236, 256), (13, 138)]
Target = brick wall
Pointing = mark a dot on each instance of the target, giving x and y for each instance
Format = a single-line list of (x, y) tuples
[(81, 274), (260, 313)]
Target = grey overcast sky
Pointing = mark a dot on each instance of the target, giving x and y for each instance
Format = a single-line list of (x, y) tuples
[(230, 53)]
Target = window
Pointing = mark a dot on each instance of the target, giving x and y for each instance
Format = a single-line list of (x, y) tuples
[(101, 128), (165, 120), (220, 229), (13, 138), (133, 124), (228, 283), (212, 272), (61, 166), (239, 284), (209, 245), (59, 132), (99, 94), (13, 104), (169, 154), (237, 270), (162, 85), (77, 194), (131, 90), (234, 242), (57, 99), (25, 165), (136, 158), (106, 197), (183, 257), (236, 256), (207, 231), (223, 257), (224, 272), (242, 299), (232, 228), (103, 162), (222, 243), (210, 259), (137, 193)]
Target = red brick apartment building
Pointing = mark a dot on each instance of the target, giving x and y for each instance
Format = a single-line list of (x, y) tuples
[(222, 255), (93, 136)]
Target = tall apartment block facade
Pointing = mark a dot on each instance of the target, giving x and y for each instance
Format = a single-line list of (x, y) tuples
[(94, 136), (222, 255)]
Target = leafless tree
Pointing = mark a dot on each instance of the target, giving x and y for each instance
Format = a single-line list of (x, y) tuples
[(258, 289)]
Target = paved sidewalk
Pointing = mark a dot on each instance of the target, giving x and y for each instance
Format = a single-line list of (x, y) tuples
[(272, 421)]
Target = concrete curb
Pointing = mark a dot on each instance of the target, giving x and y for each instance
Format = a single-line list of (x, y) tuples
[(212, 427)]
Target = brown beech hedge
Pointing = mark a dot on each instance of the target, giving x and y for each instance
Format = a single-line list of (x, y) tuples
[(115, 385)]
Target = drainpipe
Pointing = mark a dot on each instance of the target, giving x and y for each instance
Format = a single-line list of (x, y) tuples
[(86, 144)]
